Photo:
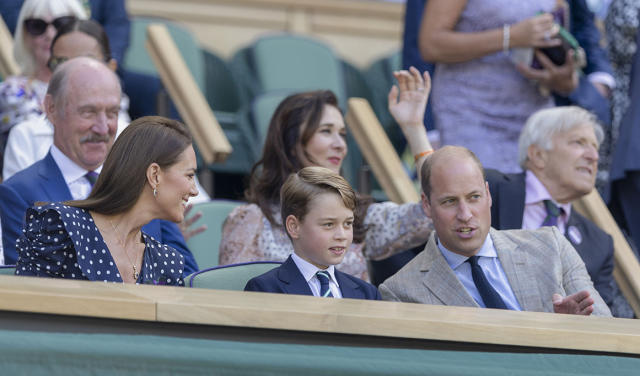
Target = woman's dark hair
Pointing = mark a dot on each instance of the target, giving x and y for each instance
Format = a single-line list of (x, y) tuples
[(147, 140), (293, 124), (92, 29)]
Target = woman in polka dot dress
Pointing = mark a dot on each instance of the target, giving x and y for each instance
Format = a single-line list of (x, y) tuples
[(149, 173)]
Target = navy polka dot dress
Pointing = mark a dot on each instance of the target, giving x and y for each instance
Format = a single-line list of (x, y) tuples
[(61, 241)]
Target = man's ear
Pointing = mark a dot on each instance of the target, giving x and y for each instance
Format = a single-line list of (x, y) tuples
[(536, 157), (49, 108), (112, 64), (154, 175), (292, 226), (426, 205)]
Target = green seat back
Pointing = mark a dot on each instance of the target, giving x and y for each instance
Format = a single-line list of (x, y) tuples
[(291, 62), (262, 109), (7, 270), (379, 76), (204, 246), (356, 84), (137, 58), (224, 97), (229, 277)]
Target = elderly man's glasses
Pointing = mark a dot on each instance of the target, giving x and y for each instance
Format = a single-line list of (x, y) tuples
[(37, 26)]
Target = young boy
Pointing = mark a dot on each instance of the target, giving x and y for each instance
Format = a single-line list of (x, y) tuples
[(317, 212)]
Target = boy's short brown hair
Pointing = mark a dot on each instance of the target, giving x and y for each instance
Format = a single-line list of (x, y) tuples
[(300, 188)]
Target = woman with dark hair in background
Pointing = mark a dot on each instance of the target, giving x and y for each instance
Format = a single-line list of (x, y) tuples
[(308, 129), (148, 174)]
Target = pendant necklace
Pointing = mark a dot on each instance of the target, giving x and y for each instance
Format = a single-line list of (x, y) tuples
[(115, 232)]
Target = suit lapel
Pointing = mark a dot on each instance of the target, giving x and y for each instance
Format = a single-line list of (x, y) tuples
[(513, 258), (53, 184), (440, 279), (293, 281), (512, 198), (348, 288)]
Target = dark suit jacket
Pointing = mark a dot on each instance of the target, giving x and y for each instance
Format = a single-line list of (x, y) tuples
[(43, 181), (582, 27), (595, 249), (287, 279)]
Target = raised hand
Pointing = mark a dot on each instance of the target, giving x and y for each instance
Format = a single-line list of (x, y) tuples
[(408, 100)]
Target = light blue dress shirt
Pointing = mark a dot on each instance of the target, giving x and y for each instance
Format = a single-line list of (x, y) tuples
[(492, 270)]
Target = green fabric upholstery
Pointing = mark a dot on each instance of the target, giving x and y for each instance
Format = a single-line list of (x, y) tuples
[(50, 353), (204, 246), (292, 62), (380, 79), (357, 86), (7, 270), (229, 277), (137, 58), (224, 97)]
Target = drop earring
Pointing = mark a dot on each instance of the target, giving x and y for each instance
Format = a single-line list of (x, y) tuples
[(155, 192)]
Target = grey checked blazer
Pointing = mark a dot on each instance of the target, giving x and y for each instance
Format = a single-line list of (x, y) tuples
[(537, 264)]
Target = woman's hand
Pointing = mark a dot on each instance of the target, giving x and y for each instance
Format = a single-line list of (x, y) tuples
[(409, 106), (185, 225), (538, 31)]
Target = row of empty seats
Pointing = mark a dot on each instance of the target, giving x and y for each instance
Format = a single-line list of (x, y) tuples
[(244, 91)]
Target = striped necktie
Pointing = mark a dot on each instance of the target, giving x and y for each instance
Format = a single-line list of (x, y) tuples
[(553, 213), (323, 277)]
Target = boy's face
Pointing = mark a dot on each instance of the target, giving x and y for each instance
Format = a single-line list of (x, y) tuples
[(325, 234)]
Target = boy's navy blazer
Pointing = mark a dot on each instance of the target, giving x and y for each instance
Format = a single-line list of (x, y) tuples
[(287, 279), (43, 181)]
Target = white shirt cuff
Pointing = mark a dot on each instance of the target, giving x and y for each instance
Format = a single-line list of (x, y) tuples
[(602, 78)]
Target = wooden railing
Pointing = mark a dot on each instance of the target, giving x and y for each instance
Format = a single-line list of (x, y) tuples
[(305, 319), (185, 93), (379, 153), (627, 269), (8, 66)]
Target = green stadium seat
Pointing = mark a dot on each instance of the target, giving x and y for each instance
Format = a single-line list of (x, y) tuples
[(204, 246), (137, 58), (229, 277)]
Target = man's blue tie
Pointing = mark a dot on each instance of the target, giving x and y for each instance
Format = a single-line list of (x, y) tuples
[(91, 176), (553, 212), (323, 277), (489, 296)]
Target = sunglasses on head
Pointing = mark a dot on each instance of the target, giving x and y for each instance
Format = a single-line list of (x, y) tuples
[(37, 26)]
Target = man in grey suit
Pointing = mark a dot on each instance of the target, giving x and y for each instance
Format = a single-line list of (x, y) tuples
[(467, 263)]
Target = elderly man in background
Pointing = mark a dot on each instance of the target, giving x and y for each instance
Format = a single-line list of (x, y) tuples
[(466, 263), (558, 151)]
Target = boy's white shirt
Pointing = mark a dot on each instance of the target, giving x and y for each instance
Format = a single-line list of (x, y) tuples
[(309, 271)]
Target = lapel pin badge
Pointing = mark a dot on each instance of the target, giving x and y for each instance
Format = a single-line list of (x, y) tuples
[(574, 234)]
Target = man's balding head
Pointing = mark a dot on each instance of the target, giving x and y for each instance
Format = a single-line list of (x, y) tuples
[(82, 103), (445, 155)]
